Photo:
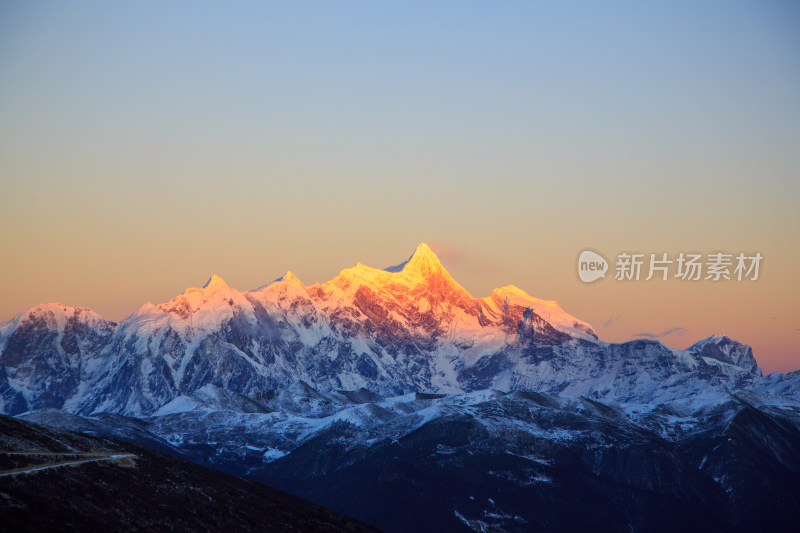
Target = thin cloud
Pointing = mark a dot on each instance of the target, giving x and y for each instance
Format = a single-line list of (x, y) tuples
[(671, 331), (610, 321), (447, 253), (455, 257)]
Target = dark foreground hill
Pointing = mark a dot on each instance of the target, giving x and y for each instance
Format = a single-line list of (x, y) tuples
[(57, 480)]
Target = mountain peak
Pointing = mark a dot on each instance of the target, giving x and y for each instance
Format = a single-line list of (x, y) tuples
[(216, 283), (56, 315), (59, 309), (423, 261), (728, 350), (290, 277), (549, 310)]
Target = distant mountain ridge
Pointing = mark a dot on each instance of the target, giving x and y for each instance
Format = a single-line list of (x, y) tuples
[(410, 328)]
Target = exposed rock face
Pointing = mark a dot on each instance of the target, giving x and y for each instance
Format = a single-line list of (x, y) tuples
[(727, 350), (48, 353)]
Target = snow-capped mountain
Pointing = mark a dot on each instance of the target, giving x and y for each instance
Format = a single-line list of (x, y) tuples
[(396, 385), (50, 354), (409, 328)]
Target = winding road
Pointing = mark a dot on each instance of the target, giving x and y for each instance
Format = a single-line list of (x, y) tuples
[(88, 458)]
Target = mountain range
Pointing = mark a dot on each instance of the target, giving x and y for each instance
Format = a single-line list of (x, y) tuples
[(383, 390)]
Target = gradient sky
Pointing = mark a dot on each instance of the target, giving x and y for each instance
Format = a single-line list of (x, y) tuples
[(145, 145)]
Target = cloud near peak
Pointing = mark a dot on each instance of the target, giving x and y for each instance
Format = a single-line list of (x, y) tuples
[(671, 331)]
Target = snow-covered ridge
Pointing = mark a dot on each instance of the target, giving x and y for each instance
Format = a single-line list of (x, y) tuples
[(394, 331), (208, 306)]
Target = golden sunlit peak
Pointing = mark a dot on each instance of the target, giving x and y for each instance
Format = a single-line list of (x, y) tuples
[(512, 290), (516, 295), (423, 260), (290, 277), (215, 282)]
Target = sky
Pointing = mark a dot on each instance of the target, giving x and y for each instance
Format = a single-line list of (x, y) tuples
[(146, 145)]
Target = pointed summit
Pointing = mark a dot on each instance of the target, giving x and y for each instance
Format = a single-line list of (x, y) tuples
[(422, 261), (290, 277), (424, 270), (423, 253), (216, 283)]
